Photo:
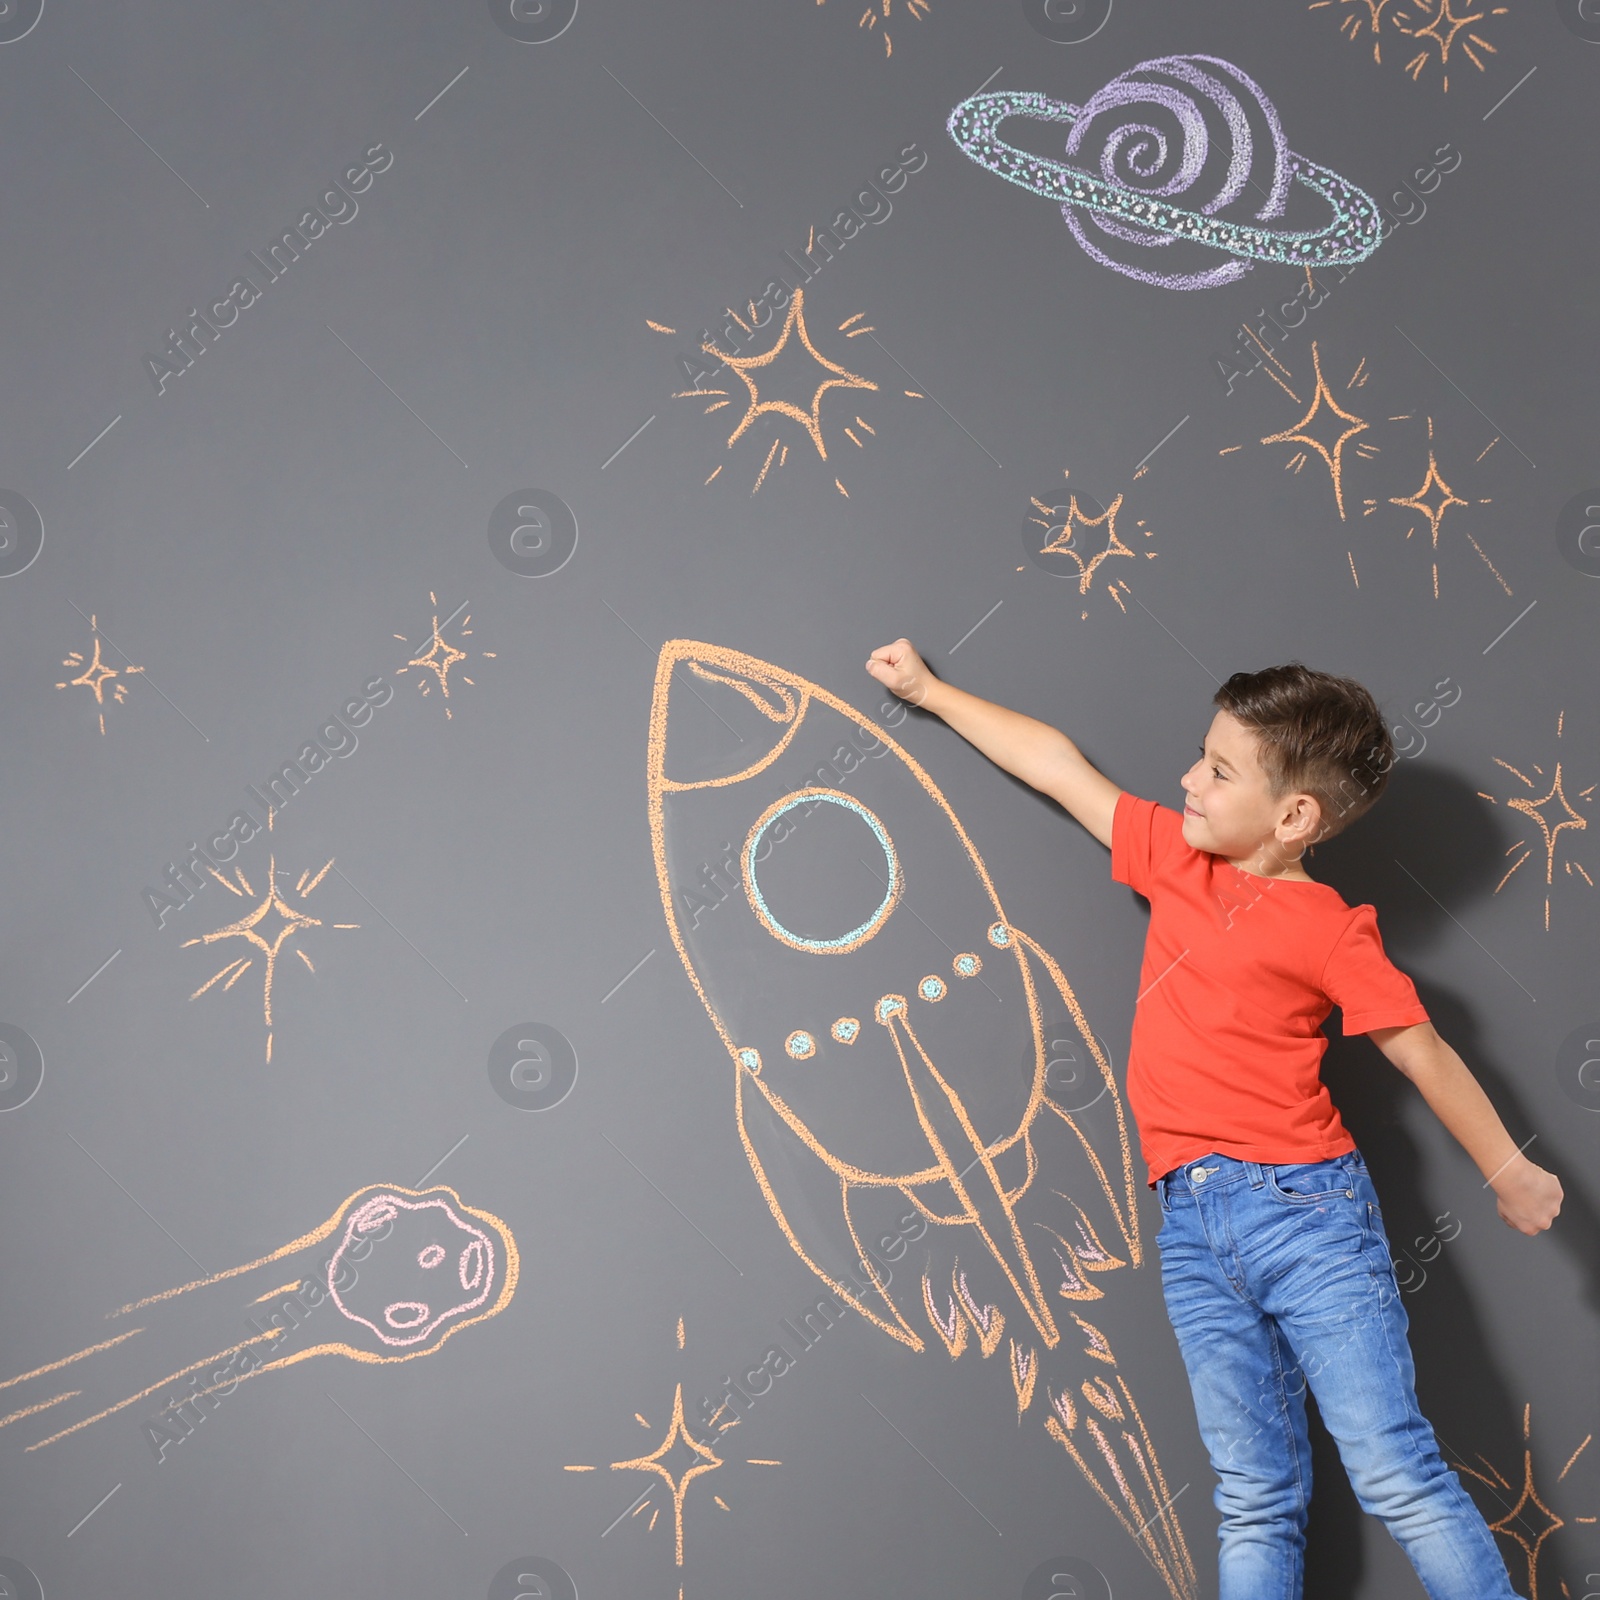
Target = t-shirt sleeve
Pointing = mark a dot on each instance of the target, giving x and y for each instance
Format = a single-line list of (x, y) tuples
[(1369, 989), (1142, 835)]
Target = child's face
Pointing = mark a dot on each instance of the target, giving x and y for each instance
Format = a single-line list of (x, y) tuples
[(1230, 809)]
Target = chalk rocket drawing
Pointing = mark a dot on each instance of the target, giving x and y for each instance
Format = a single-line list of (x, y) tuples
[(874, 1083), (403, 1270), (1153, 127)]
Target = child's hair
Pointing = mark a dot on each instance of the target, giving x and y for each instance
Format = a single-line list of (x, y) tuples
[(1314, 733)]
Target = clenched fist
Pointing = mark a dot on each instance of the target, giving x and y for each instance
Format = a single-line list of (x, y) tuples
[(1528, 1198), (902, 671)]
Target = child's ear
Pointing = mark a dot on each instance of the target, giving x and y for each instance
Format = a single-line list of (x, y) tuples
[(1308, 821)]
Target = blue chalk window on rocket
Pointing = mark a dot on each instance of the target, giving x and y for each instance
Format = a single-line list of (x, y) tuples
[(854, 937)]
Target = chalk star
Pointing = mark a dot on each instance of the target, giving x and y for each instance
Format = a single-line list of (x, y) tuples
[(683, 1449), (96, 675), (1060, 540), (1555, 797), (1445, 18), (441, 656), (1442, 29), (810, 419), (1535, 809), (290, 920), (1334, 458), (1528, 1535), (438, 658), (1433, 510), (1506, 1524)]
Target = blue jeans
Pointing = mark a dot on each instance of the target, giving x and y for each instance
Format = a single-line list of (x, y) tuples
[(1276, 1277)]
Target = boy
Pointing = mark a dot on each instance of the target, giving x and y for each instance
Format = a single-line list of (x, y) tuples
[(1274, 1262)]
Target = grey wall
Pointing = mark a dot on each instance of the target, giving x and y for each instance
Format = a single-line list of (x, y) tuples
[(257, 533)]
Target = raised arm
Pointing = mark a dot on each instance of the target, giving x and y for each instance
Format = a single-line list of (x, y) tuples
[(1528, 1198), (1028, 749)]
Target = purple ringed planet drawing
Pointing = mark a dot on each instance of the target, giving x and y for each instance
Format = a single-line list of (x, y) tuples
[(1139, 204)]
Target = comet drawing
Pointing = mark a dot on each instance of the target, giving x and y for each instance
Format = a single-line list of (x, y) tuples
[(403, 1269), (885, 1063)]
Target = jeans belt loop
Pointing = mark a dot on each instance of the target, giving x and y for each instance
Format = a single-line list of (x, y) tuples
[(1253, 1172)]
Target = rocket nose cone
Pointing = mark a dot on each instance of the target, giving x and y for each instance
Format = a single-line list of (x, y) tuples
[(728, 713)]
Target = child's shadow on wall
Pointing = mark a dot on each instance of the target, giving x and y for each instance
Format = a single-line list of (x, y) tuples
[(1425, 854)]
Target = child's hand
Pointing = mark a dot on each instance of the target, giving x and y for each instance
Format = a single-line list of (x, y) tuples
[(901, 670), (1528, 1197)]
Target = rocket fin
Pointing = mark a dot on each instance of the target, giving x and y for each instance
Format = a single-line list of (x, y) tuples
[(1100, 1130)]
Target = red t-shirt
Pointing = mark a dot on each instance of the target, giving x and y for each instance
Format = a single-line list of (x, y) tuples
[(1239, 974)]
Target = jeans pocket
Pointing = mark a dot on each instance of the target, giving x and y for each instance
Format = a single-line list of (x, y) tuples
[(1311, 1184), (1372, 1223)]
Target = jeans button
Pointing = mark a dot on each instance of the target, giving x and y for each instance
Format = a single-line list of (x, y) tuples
[(1199, 1174)]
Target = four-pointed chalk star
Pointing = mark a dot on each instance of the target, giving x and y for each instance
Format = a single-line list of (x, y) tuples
[(1332, 455), (1430, 19), (678, 1460), (1556, 800), (247, 927), (687, 1455), (96, 675), (1433, 498), (1535, 809), (441, 655), (1434, 509), (1442, 27), (1519, 1522)]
